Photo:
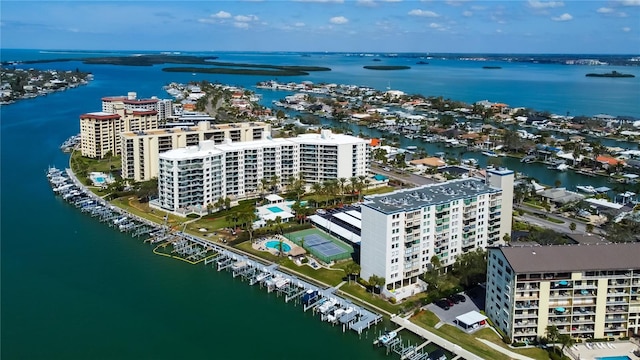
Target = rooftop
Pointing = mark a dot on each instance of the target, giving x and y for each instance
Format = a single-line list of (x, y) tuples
[(568, 258), (326, 137), (432, 194)]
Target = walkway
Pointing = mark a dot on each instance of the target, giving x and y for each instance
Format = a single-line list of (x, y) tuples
[(445, 344), (503, 350), (449, 346)]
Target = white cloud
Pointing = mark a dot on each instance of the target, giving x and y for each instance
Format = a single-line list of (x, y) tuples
[(338, 20), (435, 26), (392, 0), (299, 24), (245, 18), (455, 2), (321, 1), (467, 13), (221, 15), (425, 13), (241, 25), (630, 2), (626, 29), (604, 10), (537, 4), (563, 17), (369, 3)]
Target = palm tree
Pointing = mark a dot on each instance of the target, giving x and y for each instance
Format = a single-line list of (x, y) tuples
[(273, 182), (552, 334), (352, 269), (264, 184), (566, 341), (278, 222), (375, 281), (317, 190), (342, 181)]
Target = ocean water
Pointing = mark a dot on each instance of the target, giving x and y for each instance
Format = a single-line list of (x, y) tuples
[(73, 288)]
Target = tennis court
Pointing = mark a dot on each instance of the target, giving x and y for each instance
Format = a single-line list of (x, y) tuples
[(321, 245)]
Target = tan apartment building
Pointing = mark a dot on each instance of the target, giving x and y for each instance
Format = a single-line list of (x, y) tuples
[(586, 291), (100, 131), (141, 149)]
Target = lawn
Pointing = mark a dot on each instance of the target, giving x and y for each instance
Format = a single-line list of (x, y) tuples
[(329, 277), (535, 353), (143, 210), (359, 292), (427, 319)]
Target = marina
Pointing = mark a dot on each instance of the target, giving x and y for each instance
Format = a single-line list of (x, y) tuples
[(322, 301)]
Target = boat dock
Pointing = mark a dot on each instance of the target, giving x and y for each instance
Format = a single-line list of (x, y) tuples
[(322, 301)]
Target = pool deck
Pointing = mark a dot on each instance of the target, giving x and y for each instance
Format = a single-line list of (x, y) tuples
[(621, 348), (260, 244)]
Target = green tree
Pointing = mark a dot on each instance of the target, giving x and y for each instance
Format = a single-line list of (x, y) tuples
[(572, 226), (376, 281), (352, 269), (566, 341), (552, 334), (589, 228)]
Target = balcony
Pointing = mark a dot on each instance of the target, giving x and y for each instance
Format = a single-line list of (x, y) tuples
[(525, 315)]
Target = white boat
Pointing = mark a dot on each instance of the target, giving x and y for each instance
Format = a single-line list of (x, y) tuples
[(386, 338), (562, 167), (489, 153), (586, 189)]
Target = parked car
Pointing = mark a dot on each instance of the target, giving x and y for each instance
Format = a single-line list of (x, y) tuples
[(443, 304), (449, 301), (460, 297), (454, 299)]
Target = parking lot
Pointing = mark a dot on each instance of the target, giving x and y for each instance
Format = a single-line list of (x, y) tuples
[(476, 302)]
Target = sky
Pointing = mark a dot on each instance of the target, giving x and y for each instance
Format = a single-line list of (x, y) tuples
[(428, 26)]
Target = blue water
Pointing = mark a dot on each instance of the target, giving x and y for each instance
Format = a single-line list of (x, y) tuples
[(100, 180), (380, 177), (274, 209), (623, 357), (556, 88), (275, 244)]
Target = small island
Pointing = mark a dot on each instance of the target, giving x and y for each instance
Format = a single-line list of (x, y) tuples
[(387, 67), (492, 67), (613, 74), (422, 63)]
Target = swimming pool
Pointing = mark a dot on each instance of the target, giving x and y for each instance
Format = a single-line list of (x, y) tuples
[(275, 209), (623, 357), (275, 244), (100, 180)]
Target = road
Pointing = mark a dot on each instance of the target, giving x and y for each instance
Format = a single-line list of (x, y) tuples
[(581, 227), (405, 176)]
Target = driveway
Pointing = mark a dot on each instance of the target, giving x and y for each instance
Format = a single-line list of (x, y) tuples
[(474, 301)]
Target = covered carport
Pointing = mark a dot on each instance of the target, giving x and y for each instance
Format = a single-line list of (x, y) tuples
[(471, 320)]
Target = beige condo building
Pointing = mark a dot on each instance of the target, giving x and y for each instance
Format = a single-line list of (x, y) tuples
[(100, 131), (141, 149), (586, 291)]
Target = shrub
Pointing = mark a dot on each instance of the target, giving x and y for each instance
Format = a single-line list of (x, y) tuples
[(519, 344), (392, 300)]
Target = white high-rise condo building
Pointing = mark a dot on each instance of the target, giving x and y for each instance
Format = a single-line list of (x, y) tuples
[(403, 230), (191, 177), (586, 291), (245, 164), (328, 156)]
